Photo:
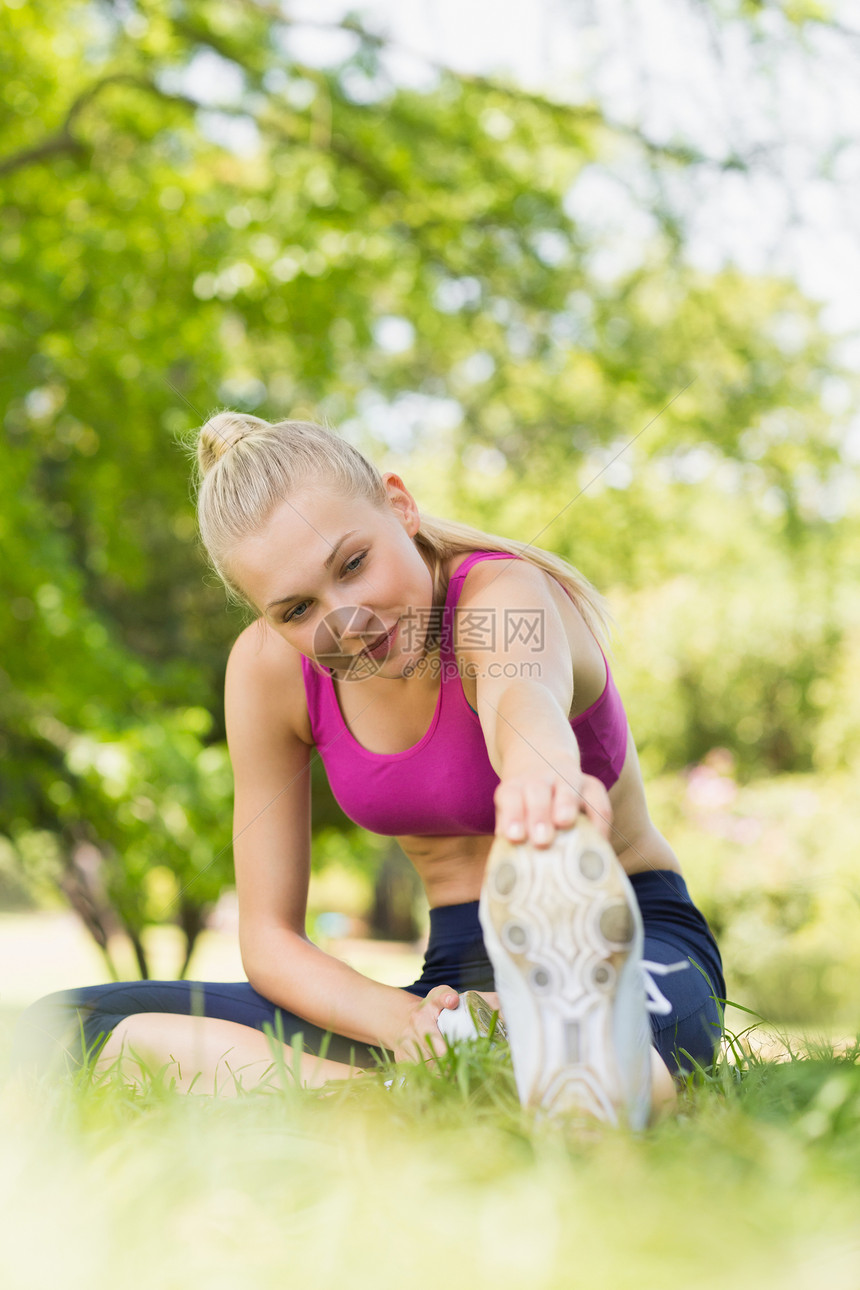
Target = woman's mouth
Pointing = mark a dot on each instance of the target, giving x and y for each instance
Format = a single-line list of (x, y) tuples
[(382, 645)]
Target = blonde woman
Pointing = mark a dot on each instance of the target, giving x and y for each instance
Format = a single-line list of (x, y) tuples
[(454, 685)]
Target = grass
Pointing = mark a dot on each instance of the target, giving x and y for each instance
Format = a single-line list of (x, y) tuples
[(439, 1181)]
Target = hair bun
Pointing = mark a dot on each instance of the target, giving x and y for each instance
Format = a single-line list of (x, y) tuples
[(220, 432)]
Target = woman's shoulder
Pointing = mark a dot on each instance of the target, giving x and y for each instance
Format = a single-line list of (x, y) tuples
[(489, 560), (533, 602), (519, 572), (264, 675)]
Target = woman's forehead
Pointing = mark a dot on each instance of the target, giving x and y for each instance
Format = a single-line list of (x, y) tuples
[(309, 510), (310, 521)]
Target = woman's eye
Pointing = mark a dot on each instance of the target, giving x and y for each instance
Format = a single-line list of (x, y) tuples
[(293, 614)]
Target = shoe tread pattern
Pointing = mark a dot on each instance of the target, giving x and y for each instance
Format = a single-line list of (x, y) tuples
[(566, 920)]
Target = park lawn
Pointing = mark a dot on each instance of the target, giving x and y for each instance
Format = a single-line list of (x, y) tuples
[(438, 1182)]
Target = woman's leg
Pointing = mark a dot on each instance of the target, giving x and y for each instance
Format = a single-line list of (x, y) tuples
[(206, 1055), (686, 1020), (456, 956), (71, 1023), (563, 931)]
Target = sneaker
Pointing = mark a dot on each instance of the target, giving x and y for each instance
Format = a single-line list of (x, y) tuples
[(471, 1019), (564, 934)]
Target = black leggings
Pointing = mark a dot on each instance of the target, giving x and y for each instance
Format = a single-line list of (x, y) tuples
[(675, 931)]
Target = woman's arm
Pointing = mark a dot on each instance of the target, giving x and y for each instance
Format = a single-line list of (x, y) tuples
[(265, 701), (524, 695)]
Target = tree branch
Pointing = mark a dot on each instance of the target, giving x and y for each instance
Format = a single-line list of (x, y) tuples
[(51, 147), (64, 141)]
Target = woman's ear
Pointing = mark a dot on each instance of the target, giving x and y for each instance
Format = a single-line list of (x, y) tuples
[(402, 501)]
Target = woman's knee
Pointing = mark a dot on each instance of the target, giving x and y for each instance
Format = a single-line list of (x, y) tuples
[(56, 1027), (693, 1039)]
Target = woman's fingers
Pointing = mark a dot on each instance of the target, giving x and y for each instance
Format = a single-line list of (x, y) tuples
[(443, 996), (422, 1038), (532, 808), (596, 805), (511, 818), (538, 798), (567, 802), (524, 809)]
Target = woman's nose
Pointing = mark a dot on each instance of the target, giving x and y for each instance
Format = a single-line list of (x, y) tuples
[(352, 622), (358, 625)]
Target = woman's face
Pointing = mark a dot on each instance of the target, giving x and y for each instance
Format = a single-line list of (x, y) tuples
[(338, 577)]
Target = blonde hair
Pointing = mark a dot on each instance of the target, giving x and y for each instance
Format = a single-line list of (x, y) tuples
[(247, 467)]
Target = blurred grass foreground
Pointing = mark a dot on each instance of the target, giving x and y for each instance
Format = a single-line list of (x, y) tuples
[(755, 1183)]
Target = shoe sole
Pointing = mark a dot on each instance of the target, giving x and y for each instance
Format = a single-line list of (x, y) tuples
[(561, 925), (473, 1019), (487, 1020)]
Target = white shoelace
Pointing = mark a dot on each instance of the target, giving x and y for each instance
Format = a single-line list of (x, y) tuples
[(656, 1000)]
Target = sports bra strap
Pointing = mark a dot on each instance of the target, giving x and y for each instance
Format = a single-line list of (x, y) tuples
[(452, 597)]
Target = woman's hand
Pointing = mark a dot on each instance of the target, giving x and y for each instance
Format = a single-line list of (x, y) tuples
[(536, 799), (422, 1039)]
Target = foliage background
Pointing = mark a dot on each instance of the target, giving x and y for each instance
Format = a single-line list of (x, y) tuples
[(193, 216)]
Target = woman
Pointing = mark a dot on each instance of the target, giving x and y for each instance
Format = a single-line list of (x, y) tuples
[(454, 685)]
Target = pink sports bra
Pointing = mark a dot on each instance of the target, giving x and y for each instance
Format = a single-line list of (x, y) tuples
[(444, 784)]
